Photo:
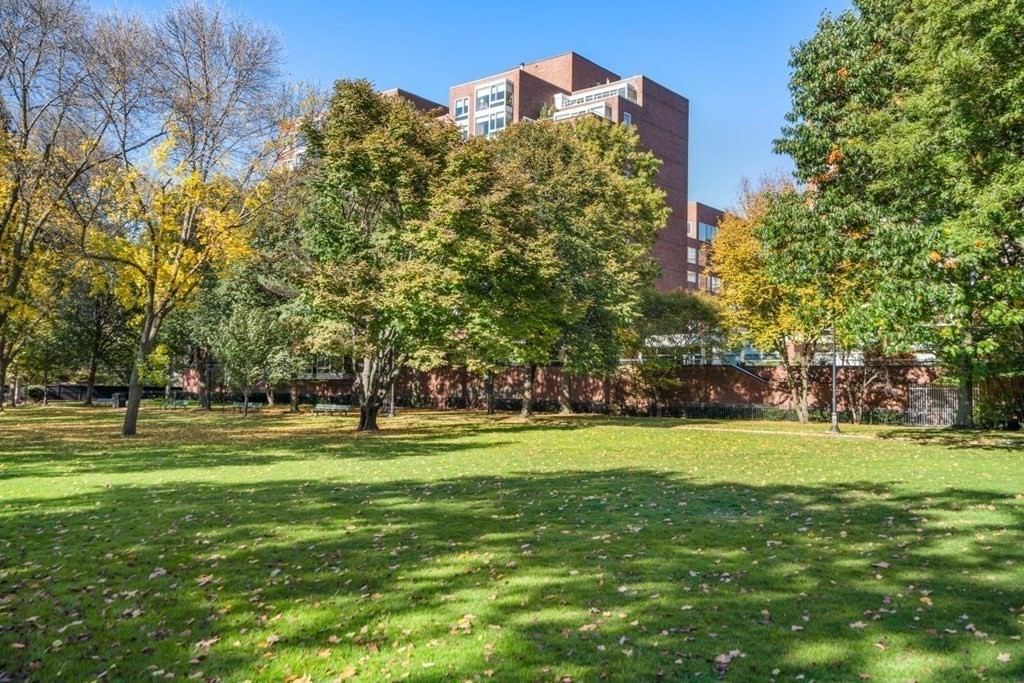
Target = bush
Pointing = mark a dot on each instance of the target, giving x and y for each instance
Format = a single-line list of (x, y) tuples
[(35, 392)]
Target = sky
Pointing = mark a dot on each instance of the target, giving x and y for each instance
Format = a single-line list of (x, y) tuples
[(729, 58)]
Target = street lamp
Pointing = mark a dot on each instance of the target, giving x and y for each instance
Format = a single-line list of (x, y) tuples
[(835, 411)]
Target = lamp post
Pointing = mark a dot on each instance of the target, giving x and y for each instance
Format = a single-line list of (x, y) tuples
[(835, 411)]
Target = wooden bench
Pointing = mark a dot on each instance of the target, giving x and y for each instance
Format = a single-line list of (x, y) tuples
[(103, 402), (330, 409), (175, 403), (239, 406)]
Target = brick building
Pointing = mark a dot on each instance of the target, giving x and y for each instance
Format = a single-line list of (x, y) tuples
[(568, 86), (701, 228)]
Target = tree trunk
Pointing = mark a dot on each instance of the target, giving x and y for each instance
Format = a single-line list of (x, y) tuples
[(270, 396), (146, 339), (368, 417), (203, 378), (131, 415), (565, 396), (489, 391), (90, 385), (529, 373), (3, 381), (417, 399), (293, 397), (169, 387), (46, 388), (373, 382), (245, 404)]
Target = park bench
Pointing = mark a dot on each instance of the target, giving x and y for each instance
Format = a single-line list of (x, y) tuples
[(175, 403), (239, 406), (103, 402), (330, 409)]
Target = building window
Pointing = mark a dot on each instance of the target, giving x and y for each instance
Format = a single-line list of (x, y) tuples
[(462, 108), (692, 255), (706, 232), (463, 129), (689, 229), (714, 284), (691, 277), (494, 95), (627, 119), (486, 126)]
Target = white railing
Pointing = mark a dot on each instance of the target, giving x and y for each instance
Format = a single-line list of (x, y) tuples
[(601, 92)]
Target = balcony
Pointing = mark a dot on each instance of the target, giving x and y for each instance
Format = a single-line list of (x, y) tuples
[(597, 93), (601, 110)]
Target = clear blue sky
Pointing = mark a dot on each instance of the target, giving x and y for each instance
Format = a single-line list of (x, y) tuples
[(729, 58)]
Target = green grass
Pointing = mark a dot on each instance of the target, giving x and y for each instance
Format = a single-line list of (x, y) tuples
[(460, 548)]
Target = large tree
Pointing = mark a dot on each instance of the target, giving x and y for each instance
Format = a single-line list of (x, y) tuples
[(772, 311), (206, 82), (907, 117), (554, 224), (380, 282), (54, 130)]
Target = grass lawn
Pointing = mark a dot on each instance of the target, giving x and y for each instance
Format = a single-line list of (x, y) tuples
[(453, 547)]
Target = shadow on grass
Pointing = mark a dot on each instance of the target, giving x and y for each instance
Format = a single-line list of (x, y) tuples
[(959, 439), (61, 441), (622, 574)]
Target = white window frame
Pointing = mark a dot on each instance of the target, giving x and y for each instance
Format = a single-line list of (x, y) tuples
[(627, 118), (497, 94), (490, 120), (464, 101), (693, 255)]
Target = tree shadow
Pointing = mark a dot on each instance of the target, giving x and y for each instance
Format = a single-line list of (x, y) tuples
[(621, 574), (959, 439)]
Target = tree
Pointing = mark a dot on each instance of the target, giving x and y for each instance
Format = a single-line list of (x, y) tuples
[(94, 325), (380, 282), (904, 113), (179, 209), (51, 137), (675, 327), (249, 344), (555, 224), (786, 315)]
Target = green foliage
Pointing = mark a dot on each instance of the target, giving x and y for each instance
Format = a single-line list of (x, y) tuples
[(674, 327), (554, 225), (907, 120), (250, 343), (379, 282), (35, 392)]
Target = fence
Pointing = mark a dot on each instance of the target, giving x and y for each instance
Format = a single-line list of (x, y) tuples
[(933, 406), (754, 412)]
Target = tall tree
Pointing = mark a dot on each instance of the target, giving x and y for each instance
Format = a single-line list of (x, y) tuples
[(555, 224), (96, 325), (785, 315), (908, 112), (53, 132), (250, 344), (208, 82), (380, 280)]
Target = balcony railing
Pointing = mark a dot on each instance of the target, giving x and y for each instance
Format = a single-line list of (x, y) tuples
[(600, 109), (601, 92)]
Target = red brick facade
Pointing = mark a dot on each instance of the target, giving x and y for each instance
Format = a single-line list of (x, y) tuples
[(660, 115)]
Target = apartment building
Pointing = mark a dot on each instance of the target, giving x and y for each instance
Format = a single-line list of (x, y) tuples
[(569, 86), (701, 228)]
